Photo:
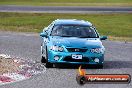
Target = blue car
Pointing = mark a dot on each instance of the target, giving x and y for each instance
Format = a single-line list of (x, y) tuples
[(72, 41)]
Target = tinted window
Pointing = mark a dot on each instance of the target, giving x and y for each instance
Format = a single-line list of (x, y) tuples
[(74, 31)]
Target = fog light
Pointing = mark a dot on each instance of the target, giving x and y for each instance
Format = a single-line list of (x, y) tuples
[(96, 60), (56, 58)]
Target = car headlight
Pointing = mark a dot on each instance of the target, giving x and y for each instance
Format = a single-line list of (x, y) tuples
[(56, 48), (97, 50)]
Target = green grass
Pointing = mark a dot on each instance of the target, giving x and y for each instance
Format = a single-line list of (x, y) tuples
[(71, 1), (126, 39), (115, 25), (68, 2)]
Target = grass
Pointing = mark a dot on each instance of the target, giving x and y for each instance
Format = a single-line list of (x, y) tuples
[(68, 2), (115, 25), (126, 39)]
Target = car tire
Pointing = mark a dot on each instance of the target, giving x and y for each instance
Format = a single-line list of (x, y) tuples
[(43, 59), (47, 64)]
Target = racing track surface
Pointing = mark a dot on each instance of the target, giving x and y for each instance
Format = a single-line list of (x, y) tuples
[(118, 60), (64, 9)]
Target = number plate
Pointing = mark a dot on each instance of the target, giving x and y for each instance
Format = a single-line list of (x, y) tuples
[(76, 56)]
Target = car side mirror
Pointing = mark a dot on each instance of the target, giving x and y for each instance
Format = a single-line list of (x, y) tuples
[(43, 34), (103, 37)]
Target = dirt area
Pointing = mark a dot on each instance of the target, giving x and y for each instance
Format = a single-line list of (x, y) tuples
[(15, 69), (7, 65)]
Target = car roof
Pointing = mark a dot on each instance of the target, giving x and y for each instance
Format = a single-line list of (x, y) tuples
[(72, 22)]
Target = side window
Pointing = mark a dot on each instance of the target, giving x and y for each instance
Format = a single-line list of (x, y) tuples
[(93, 27), (47, 29), (50, 27)]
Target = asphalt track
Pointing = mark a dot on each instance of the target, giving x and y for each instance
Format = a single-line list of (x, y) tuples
[(64, 9), (118, 60)]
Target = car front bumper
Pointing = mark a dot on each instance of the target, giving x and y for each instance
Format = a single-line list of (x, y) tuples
[(66, 57)]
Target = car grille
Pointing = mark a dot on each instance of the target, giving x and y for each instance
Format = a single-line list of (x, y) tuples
[(76, 50), (69, 58)]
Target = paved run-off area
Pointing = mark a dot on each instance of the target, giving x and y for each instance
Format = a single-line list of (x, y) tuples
[(118, 60), (64, 9)]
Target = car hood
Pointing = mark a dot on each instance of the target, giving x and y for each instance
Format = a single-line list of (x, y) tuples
[(76, 42)]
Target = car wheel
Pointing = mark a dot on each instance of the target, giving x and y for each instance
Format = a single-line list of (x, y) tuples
[(48, 64), (43, 59)]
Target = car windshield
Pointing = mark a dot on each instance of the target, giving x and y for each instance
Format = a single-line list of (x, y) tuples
[(74, 31)]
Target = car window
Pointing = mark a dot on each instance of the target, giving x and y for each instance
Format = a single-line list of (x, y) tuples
[(74, 31), (49, 28)]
